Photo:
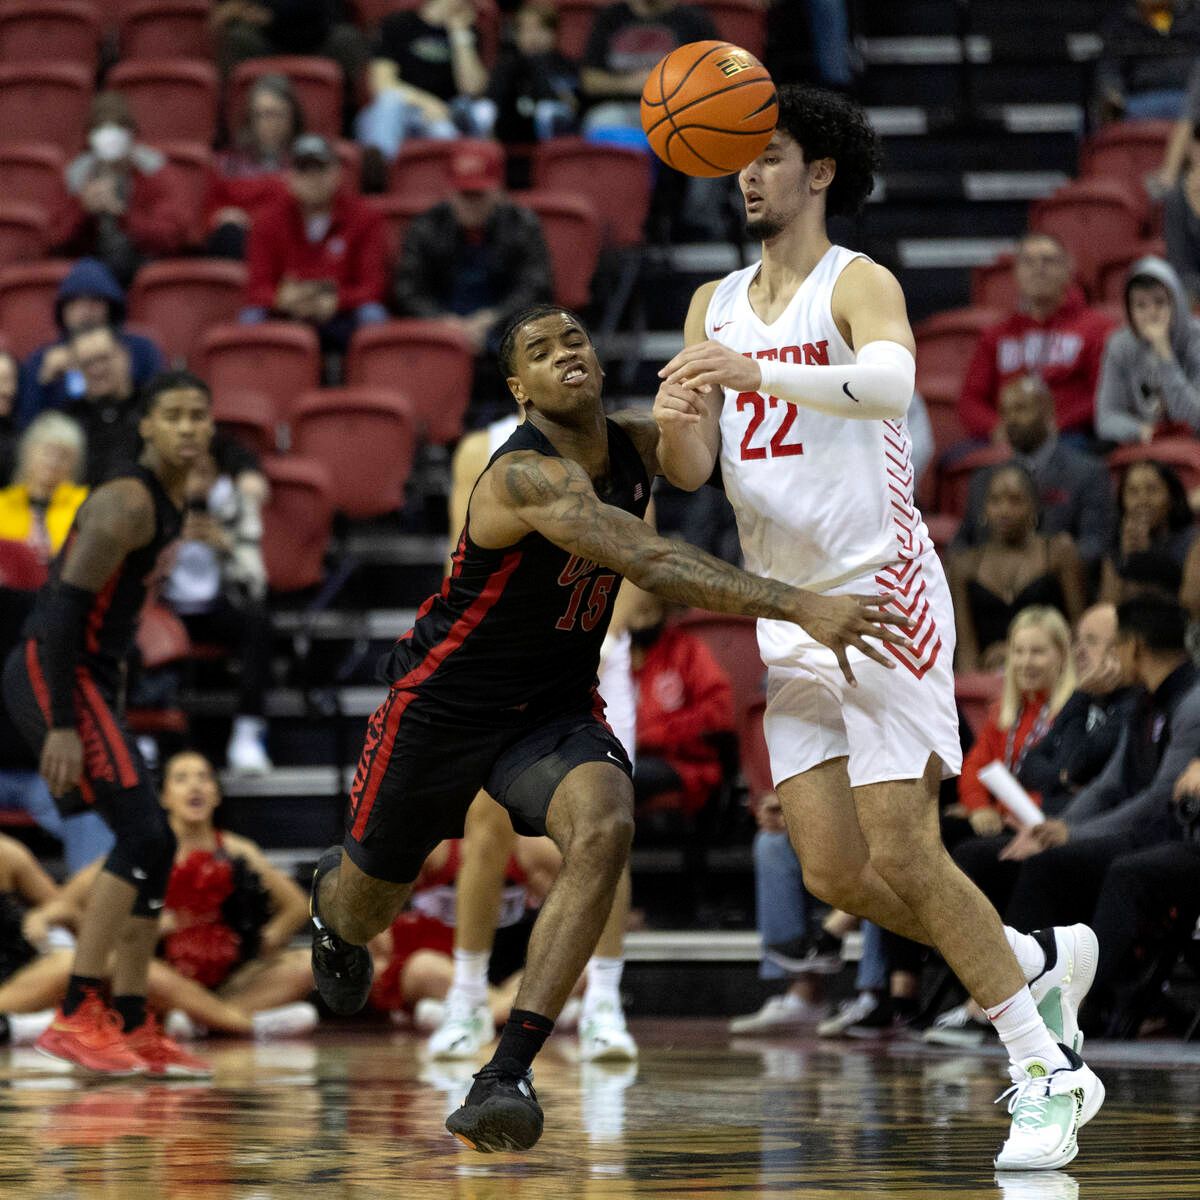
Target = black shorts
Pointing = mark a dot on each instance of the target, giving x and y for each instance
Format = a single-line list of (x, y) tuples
[(421, 767)]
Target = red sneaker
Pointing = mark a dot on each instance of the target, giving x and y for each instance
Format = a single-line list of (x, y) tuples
[(91, 1038), (164, 1056)]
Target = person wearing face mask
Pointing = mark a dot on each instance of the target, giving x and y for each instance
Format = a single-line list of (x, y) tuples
[(124, 203)]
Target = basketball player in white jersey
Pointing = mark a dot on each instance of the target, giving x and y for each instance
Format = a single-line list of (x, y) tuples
[(488, 839), (796, 376)]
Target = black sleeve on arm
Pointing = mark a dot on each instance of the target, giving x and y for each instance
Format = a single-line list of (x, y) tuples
[(66, 621)]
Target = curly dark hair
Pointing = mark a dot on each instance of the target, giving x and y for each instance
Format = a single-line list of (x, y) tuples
[(1179, 512), (827, 125), (508, 340)]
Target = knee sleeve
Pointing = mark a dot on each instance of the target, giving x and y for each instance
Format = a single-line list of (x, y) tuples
[(143, 856)]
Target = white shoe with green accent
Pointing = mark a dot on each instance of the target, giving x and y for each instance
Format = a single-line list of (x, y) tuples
[(1049, 1106), (465, 1029), (1072, 953), (603, 1035)]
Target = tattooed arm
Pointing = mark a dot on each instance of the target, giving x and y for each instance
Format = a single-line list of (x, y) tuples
[(554, 497)]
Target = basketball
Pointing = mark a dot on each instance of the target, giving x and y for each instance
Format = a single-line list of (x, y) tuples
[(709, 108)]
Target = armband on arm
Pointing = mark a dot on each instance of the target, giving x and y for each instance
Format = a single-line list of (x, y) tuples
[(877, 386), (66, 622)]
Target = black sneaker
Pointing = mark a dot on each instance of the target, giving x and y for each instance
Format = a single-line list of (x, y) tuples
[(343, 971), (501, 1111), (887, 1020), (821, 955)]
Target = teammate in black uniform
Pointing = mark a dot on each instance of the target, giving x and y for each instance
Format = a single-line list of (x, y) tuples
[(494, 688), (62, 686)]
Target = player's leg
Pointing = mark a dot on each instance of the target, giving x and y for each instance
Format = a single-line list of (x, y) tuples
[(603, 1034)]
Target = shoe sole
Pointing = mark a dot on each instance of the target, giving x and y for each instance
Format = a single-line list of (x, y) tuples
[(487, 1131), (1048, 1165), (950, 1037), (610, 1054), (131, 1073), (1085, 953), (796, 966)]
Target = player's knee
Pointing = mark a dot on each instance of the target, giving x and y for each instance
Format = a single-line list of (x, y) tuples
[(830, 886), (906, 867), (143, 856), (605, 830)]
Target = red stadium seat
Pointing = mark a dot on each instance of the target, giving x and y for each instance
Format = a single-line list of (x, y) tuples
[(1090, 217), (742, 22), (994, 285), (944, 418), (350, 156), (575, 19), (249, 417), (1125, 150), (182, 298), (317, 81), (45, 102), (27, 304), (297, 520), (945, 343), (158, 29), (733, 642), (193, 163), (572, 231), (976, 693), (614, 179), (172, 101), (422, 168), (752, 750), (1181, 454), (487, 21), (279, 360), (1110, 282), (32, 174), (432, 361), (366, 437), (398, 213), (33, 31), (22, 232), (954, 479), (21, 570)]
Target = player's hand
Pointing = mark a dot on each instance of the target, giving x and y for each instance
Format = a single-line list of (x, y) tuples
[(62, 760), (677, 405), (713, 364), (841, 622)]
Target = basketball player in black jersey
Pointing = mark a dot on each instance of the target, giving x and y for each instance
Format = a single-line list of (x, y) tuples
[(494, 688), (63, 685)]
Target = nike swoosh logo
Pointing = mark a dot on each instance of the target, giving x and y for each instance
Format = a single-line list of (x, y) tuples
[(846, 389), (718, 328), (612, 756)]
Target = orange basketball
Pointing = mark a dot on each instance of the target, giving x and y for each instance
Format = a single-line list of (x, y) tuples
[(709, 108)]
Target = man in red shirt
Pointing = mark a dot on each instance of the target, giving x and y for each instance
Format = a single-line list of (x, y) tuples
[(318, 254), (1054, 335)]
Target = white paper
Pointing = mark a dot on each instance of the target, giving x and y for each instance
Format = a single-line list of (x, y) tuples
[(999, 780)]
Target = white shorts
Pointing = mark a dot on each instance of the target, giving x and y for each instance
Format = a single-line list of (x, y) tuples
[(887, 726)]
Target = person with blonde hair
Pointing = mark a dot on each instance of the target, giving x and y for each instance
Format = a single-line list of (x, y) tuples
[(40, 504)]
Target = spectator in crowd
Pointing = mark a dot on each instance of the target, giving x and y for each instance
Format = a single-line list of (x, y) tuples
[(1181, 213), (318, 254), (1153, 516), (218, 586), (475, 259), (89, 296), (1150, 377), (248, 177), (10, 384), (1075, 492), (1149, 48), (1053, 335), (684, 704), (124, 203), (425, 72), (1015, 568), (533, 93)]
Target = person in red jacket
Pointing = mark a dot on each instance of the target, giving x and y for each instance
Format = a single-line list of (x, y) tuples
[(124, 204), (683, 698), (1053, 335), (318, 254)]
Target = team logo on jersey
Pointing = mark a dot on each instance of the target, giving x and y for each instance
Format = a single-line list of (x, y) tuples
[(718, 328)]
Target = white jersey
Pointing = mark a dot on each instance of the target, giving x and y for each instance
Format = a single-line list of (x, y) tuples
[(500, 431)]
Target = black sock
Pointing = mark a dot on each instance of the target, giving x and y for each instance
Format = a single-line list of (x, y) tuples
[(5, 1031), (522, 1037), (828, 943), (132, 1010), (904, 1007), (77, 988)]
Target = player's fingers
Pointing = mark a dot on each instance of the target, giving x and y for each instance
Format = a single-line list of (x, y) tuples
[(882, 634), (844, 663), (684, 356), (882, 616), (872, 653)]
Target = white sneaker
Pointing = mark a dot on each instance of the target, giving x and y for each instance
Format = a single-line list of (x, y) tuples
[(785, 1011), (1060, 989), (25, 1028), (465, 1029), (1048, 1106), (568, 1019), (288, 1020), (958, 1026), (181, 1028), (603, 1036), (428, 1014), (246, 753), (850, 1012)]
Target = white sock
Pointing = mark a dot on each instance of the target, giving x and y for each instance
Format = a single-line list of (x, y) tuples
[(470, 974), (1031, 958), (248, 727), (603, 981), (1020, 1027)]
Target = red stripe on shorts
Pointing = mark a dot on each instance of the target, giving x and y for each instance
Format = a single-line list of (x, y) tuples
[(379, 754), (118, 751)]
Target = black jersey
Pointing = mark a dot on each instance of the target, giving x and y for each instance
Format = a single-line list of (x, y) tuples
[(523, 625), (112, 621)]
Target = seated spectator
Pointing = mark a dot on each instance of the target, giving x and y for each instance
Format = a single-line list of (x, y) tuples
[(1053, 335), (533, 93), (124, 204), (1150, 377), (248, 177), (1015, 567), (684, 702), (89, 296), (1152, 515), (1075, 491), (476, 259), (425, 70), (1149, 47), (10, 385), (218, 585), (318, 254), (108, 411), (1181, 210)]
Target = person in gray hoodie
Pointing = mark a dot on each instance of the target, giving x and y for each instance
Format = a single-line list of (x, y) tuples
[(1150, 377)]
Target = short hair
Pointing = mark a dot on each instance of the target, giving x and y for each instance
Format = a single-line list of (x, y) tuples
[(1158, 622), (172, 381), (828, 125), (1179, 512), (52, 426), (508, 340)]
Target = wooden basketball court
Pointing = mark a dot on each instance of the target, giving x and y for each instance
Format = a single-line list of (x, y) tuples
[(358, 1113)]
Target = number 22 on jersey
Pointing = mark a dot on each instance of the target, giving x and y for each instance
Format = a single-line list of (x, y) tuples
[(778, 446)]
